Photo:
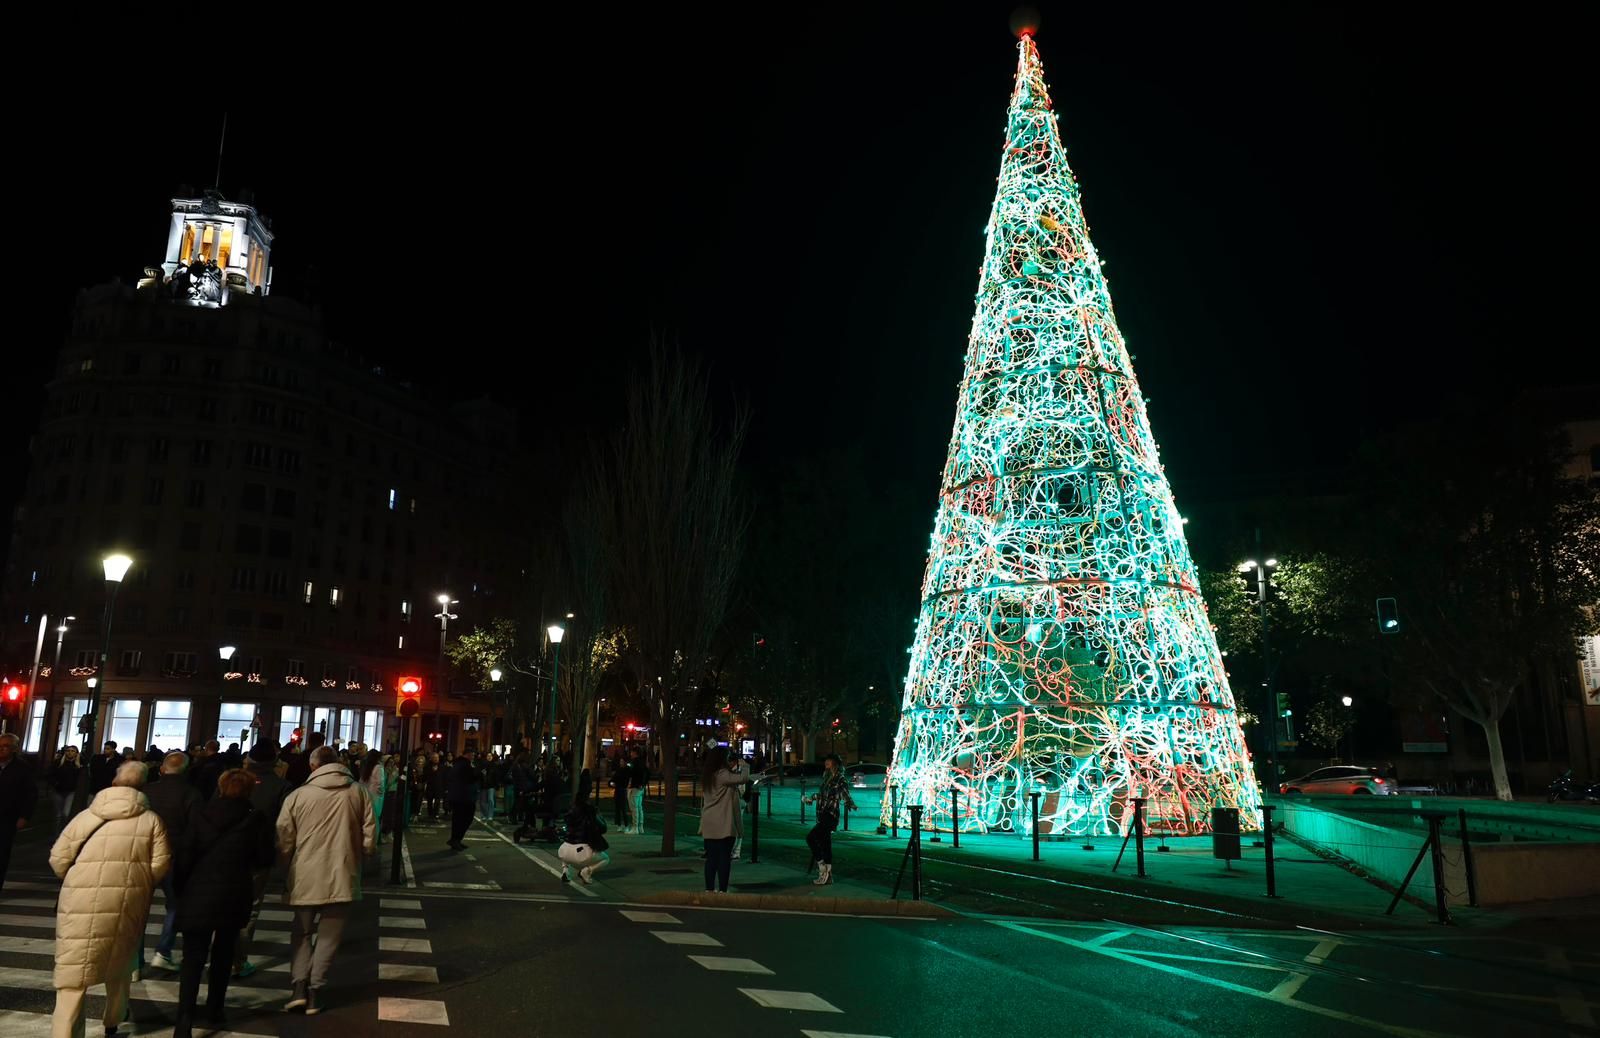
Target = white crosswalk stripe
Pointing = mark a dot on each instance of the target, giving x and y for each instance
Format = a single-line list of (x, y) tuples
[(728, 964), (790, 1000)]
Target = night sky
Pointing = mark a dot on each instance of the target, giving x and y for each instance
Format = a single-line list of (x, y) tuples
[(1315, 224)]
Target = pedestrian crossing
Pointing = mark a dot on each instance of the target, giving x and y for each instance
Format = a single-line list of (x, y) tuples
[(402, 969)]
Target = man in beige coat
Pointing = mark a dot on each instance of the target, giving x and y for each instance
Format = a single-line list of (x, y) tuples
[(324, 829), (110, 858)]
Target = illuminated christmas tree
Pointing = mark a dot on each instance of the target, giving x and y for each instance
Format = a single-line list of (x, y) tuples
[(1062, 645)]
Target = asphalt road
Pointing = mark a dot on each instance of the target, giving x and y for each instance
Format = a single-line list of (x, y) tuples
[(488, 939)]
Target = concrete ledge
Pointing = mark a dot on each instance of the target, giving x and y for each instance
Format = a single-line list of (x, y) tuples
[(820, 905)]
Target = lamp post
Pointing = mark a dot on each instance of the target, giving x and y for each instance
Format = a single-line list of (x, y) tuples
[(224, 654), (116, 567), (1263, 576), (55, 669), (556, 633), (1350, 732), (495, 674), (444, 616)]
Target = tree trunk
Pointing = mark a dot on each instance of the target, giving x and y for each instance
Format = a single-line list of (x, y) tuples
[(667, 730), (1497, 759)]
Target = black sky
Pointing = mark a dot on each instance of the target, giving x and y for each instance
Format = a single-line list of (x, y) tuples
[(1315, 224)]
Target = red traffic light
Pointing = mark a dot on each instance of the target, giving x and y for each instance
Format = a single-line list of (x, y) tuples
[(410, 696), (13, 693)]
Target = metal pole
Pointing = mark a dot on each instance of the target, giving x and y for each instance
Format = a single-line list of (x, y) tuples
[(894, 812), (916, 852), (105, 670), (802, 800), (1466, 862), (769, 802), (1266, 664), (1034, 798), (1272, 873), (404, 792), (1138, 832), (555, 674), (955, 820), (755, 829), (1440, 898)]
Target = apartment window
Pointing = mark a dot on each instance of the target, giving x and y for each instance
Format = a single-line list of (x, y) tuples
[(247, 540), (178, 619), (180, 663), (308, 589), (283, 503), (351, 675), (128, 663), (262, 412), (234, 721), (85, 658), (171, 363), (413, 506), (159, 448), (244, 579), (294, 421), (236, 618), (333, 597), (258, 455), (155, 487), (288, 462), (405, 611), (253, 497), (297, 668), (280, 545), (189, 537), (197, 493), (169, 723), (130, 363), (392, 498), (276, 583), (206, 409), (201, 454), (212, 367), (114, 488), (86, 366), (255, 665), (183, 580)]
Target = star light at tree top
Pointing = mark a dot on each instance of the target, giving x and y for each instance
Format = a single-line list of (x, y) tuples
[(1062, 645)]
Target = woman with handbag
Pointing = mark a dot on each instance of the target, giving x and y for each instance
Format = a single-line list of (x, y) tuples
[(110, 858), (223, 848)]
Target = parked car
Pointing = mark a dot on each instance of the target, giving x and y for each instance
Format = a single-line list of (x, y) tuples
[(867, 776), (1340, 779)]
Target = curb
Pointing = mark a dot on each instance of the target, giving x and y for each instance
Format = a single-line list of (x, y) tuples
[(800, 903)]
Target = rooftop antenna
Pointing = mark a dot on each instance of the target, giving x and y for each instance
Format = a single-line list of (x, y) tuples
[(221, 140)]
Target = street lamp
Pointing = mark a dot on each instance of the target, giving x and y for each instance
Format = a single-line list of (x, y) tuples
[(115, 567), (1350, 732), (495, 674), (55, 670), (1263, 578), (556, 633), (444, 616)]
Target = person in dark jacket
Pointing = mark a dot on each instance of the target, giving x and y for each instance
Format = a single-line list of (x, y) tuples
[(223, 847), (19, 794), (619, 792), (203, 774), (300, 763), (266, 797), (176, 802), (103, 768), (438, 770), (63, 779), (584, 846), (461, 792)]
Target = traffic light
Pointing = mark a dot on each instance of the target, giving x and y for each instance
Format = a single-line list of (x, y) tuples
[(1283, 705), (11, 706), (1388, 616), (409, 704)]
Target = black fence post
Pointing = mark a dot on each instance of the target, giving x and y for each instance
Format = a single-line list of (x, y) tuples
[(1440, 895), (802, 801), (755, 831), (1266, 834), (916, 852), (1034, 797), (769, 801), (894, 812), (1138, 832), (955, 820), (1466, 862), (847, 815)]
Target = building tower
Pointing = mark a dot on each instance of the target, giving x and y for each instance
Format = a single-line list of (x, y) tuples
[(1062, 645)]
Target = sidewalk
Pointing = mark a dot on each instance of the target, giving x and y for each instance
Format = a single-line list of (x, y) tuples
[(995, 874)]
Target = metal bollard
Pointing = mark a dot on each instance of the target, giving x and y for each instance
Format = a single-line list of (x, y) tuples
[(755, 831), (955, 820), (916, 852), (1035, 798), (802, 801), (894, 812), (1138, 832), (847, 816), (1266, 833), (1440, 898), (1466, 862)]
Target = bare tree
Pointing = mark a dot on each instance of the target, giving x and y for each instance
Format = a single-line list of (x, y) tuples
[(668, 523)]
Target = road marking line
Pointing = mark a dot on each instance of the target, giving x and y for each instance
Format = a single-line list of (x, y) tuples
[(470, 857), (401, 922), (1179, 956), (481, 869), (770, 999), (650, 917), (413, 1011), (405, 862), (27, 945), (18, 1023), (399, 902), (839, 1034), (1107, 937), (726, 964), (240, 996), (406, 971), (703, 940), (29, 902), (277, 915), (1242, 989), (405, 944), (1287, 987), (554, 870), (1318, 955), (48, 922), (441, 884)]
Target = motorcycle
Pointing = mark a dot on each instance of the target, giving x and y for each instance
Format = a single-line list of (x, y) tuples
[(1568, 788)]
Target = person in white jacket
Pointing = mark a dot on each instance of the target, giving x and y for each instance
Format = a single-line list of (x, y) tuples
[(324, 829), (110, 858)]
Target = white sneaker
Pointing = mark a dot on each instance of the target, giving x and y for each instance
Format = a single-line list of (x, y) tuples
[(585, 875), (161, 962)]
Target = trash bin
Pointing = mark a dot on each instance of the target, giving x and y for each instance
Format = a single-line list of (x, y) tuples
[(1225, 833)]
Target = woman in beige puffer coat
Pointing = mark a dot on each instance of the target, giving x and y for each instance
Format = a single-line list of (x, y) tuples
[(111, 856)]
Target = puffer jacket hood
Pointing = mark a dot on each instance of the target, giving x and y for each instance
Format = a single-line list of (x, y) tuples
[(325, 827), (331, 776), (118, 802)]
